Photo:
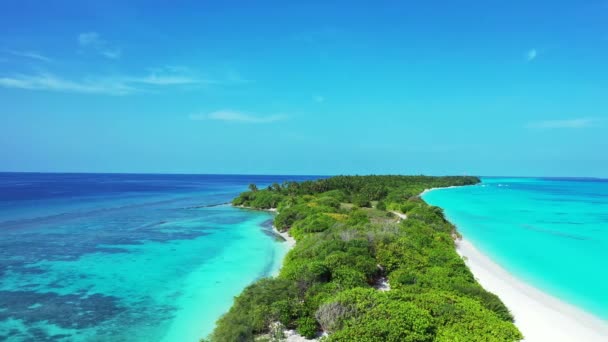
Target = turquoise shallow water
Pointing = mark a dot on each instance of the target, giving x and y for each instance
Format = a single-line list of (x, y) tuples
[(552, 233), (126, 257)]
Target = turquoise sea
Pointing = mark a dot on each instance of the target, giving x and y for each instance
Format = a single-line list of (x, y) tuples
[(549, 232), (110, 257)]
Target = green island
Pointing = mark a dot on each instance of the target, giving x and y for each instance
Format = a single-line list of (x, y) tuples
[(372, 262)]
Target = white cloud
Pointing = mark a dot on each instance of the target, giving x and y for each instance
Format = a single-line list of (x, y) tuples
[(155, 78), (29, 54), (171, 75), (112, 53), (556, 124), (94, 41), (531, 55), (53, 83), (237, 116), (89, 38), (318, 98), (116, 85)]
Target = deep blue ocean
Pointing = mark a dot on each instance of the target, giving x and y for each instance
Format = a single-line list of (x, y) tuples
[(124, 257), (549, 232)]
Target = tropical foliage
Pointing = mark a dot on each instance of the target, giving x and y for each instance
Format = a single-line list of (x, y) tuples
[(347, 242)]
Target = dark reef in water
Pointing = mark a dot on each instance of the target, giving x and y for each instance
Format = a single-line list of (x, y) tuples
[(267, 228), (208, 205)]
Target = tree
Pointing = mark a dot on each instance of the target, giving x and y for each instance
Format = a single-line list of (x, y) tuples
[(361, 201), (381, 206), (341, 250)]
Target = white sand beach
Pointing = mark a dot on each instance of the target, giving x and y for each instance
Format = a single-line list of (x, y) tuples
[(289, 240), (539, 316), (290, 334)]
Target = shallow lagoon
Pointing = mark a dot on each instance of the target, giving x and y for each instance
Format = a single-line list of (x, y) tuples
[(134, 258), (552, 233)]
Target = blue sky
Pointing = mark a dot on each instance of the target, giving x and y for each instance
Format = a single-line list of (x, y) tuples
[(315, 87)]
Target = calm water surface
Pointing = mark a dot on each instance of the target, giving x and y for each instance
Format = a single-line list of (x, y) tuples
[(109, 257), (552, 233)]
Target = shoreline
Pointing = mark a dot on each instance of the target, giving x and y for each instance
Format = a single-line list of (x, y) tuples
[(539, 316), (447, 187), (289, 240), (290, 334)]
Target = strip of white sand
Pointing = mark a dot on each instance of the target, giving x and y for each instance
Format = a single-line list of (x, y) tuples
[(539, 316), (447, 187), (290, 335), (400, 215), (289, 240)]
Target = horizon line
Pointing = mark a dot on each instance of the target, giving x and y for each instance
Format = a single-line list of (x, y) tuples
[(295, 175)]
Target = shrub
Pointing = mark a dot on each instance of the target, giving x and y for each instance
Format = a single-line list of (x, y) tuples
[(347, 278), (407, 206), (489, 300), (325, 278), (356, 218), (282, 311), (339, 195), (403, 277), (390, 321), (306, 271), (307, 327), (328, 202), (332, 315), (265, 199), (251, 312), (361, 201), (312, 224), (288, 216)]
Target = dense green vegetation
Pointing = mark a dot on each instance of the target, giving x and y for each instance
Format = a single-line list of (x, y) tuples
[(346, 243)]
